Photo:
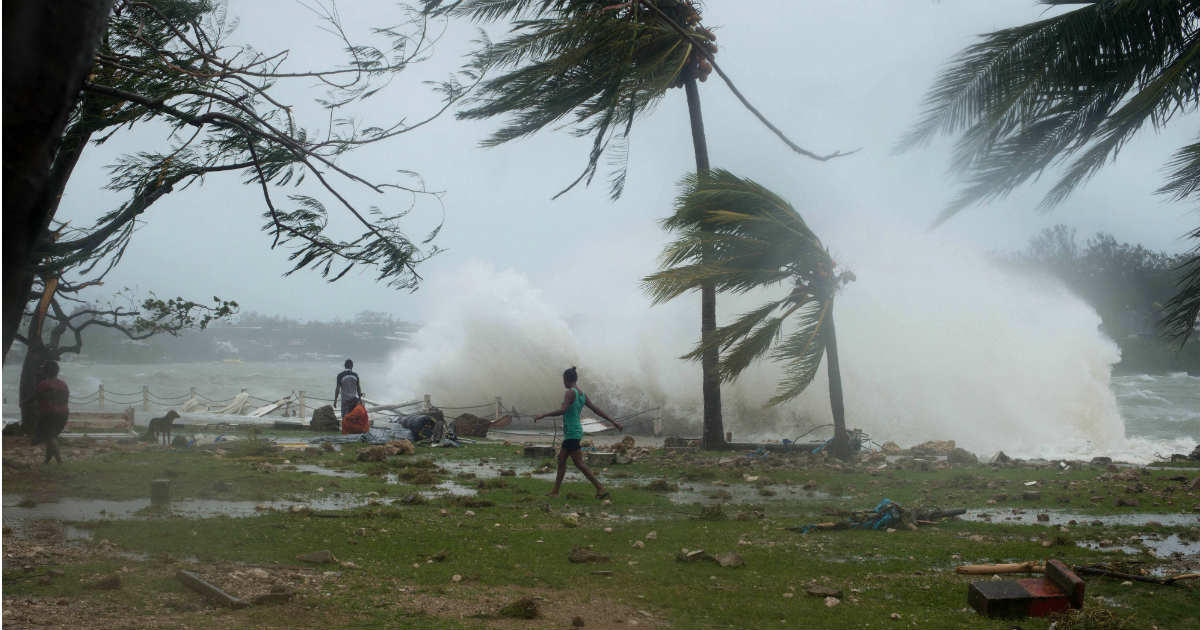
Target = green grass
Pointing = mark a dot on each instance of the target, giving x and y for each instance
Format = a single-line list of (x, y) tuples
[(510, 539)]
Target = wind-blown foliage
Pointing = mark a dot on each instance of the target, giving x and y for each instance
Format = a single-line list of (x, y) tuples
[(166, 61), (594, 66), (757, 240), (1071, 89)]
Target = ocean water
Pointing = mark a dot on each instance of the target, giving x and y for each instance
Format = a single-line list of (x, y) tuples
[(1161, 413)]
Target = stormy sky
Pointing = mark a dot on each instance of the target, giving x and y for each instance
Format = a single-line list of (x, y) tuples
[(832, 75)]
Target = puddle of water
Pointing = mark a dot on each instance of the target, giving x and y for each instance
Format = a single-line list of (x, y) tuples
[(325, 472), (1029, 517), (1162, 548), (88, 510)]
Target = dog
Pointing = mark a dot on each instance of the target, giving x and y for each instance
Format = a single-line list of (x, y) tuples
[(160, 428)]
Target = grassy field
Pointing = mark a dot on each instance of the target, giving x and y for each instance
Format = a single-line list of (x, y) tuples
[(445, 539)]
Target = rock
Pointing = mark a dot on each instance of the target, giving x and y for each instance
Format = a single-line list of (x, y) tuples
[(179, 442), (625, 445), (570, 520), (1043, 517), (1000, 458), (324, 556), (258, 573), (508, 472), (403, 447), (962, 456), (456, 578), (623, 458), (895, 615), (1101, 461), (817, 590), (651, 535), (692, 555), (106, 583), (325, 419), (1127, 502), (1195, 484), (581, 555), (577, 621), (524, 608), (730, 559), (1031, 495), (637, 544), (891, 448), (470, 425), (830, 602)]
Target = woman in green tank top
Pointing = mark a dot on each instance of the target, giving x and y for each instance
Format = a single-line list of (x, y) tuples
[(573, 403)]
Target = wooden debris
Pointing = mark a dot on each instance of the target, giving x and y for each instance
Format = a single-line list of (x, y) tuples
[(210, 592)]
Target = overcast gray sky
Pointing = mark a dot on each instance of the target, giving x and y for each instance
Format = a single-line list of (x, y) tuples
[(833, 75)]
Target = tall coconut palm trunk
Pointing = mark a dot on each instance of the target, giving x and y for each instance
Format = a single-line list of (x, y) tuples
[(713, 435), (841, 441)]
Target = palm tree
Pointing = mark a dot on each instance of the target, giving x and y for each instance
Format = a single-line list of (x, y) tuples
[(600, 65), (738, 236), (1075, 86)]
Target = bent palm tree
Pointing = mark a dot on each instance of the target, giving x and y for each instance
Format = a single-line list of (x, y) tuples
[(739, 236), (600, 65), (1077, 85)]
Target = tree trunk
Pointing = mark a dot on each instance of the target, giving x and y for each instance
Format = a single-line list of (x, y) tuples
[(48, 50), (841, 441), (713, 435)]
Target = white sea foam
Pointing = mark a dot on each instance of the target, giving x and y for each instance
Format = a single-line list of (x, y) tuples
[(937, 341)]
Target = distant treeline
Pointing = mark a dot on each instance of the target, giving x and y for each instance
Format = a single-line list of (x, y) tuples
[(1126, 284), (256, 337)]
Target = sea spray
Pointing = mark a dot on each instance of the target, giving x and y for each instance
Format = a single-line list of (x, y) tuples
[(937, 341)]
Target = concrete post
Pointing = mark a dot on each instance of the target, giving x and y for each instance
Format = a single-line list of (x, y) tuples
[(101, 396), (145, 398), (303, 413), (499, 409), (428, 404)]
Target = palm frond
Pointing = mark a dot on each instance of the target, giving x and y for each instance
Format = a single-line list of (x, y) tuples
[(801, 352), (1083, 82), (1181, 313), (739, 236), (1184, 178)]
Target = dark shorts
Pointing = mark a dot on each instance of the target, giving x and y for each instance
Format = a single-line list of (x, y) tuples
[(50, 424), (347, 407), (570, 446)]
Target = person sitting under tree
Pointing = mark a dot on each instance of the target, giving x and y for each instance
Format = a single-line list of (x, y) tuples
[(573, 403)]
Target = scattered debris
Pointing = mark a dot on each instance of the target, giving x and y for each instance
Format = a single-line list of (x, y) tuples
[(210, 592), (403, 447), (1059, 590), (730, 559), (581, 555), (279, 594)]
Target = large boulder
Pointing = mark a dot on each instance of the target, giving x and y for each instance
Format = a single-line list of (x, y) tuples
[(325, 419)]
